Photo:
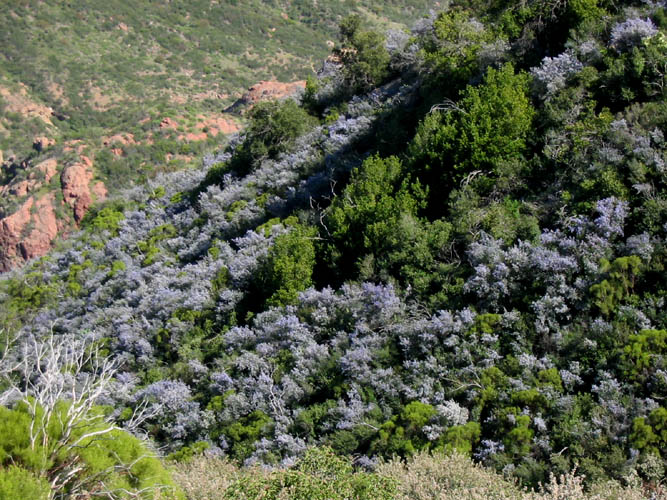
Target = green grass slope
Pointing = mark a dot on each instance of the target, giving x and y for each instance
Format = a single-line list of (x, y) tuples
[(99, 78)]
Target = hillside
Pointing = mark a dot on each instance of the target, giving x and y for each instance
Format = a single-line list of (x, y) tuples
[(116, 92), (452, 242)]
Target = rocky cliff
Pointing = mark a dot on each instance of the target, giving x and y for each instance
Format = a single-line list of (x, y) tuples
[(45, 208)]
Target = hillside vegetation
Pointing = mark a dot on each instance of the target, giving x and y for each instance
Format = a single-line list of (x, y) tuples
[(125, 90), (452, 248), (109, 64)]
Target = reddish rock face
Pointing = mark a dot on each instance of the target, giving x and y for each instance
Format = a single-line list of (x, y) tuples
[(272, 90), (75, 180), (48, 167), (21, 188), (168, 123), (41, 143), (16, 245), (30, 231), (218, 125), (100, 191), (11, 229), (264, 91), (44, 231)]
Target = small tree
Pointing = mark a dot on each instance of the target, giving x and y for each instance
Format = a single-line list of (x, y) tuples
[(273, 128), (52, 428), (363, 54)]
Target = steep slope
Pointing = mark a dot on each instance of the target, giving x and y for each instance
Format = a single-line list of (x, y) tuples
[(140, 87), (455, 242)]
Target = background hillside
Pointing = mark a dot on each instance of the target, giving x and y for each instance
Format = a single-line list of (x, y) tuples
[(123, 90)]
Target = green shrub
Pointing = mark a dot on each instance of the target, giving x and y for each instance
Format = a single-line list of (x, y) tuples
[(107, 218), (16, 483), (273, 128), (364, 56), (319, 475), (76, 458)]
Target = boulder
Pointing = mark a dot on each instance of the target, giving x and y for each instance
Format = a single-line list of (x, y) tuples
[(41, 143), (168, 123)]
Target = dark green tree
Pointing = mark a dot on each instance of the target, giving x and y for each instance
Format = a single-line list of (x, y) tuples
[(273, 128), (363, 54), (486, 130)]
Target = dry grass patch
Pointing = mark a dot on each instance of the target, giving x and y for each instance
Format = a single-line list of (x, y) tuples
[(423, 477), (456, 477), (204, 478)]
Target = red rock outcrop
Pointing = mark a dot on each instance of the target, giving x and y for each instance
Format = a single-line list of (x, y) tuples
[(100, 191), (44, 231), (30, 231), (218, 125), (75, 181), (20, 102), (41, 143), (21, 188), (11, 231), (43, 227), (168, 123), (48, 167), (264, 91)]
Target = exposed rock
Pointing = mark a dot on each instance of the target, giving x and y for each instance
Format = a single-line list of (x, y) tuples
[(11, 229), (48, 167), (15, 246), (44, 231), (21, 188), (190, 137), (264, 91), (123, 139), (168, 123), (100, 191), (39, 175), (218, 125), (75, 181), (41, 143), (19, 102), (122, 27), (74, 145)]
